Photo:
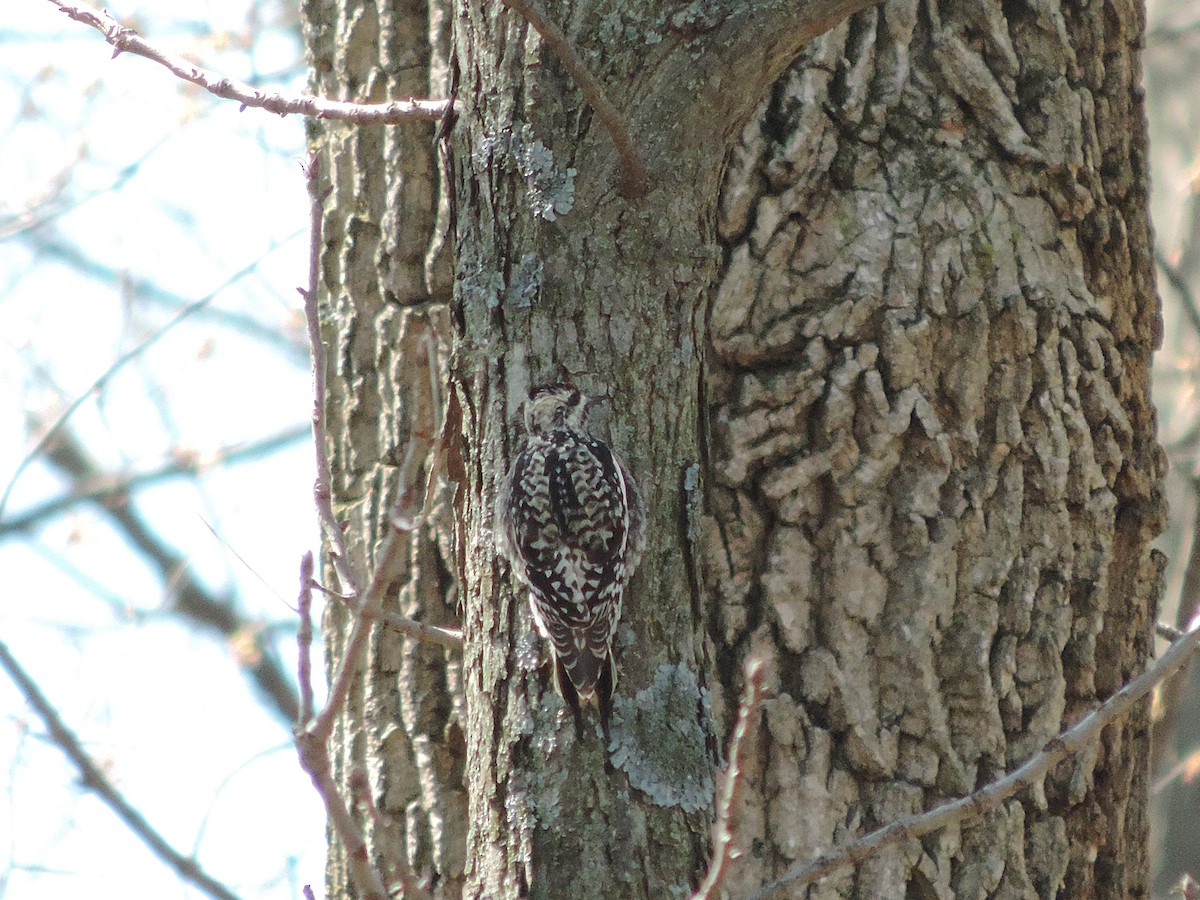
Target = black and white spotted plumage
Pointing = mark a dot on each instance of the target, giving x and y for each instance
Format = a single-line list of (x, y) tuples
[(573, 527)]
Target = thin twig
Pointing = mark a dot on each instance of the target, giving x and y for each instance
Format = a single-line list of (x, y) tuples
[(1170, 697), (323, 486), (312, 748), (1186, 298), (94, 779), (314, 759), (388, 570), (724, 849), (191, 600), (126, 40), (634, 178), (987, 798), (450, 638), (304, 637), (116, 488), (312, 739), (1170, 632), (430, 634), (315, 729), (121, 361)]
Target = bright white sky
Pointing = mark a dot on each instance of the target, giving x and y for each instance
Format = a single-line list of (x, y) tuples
[(149, 177)]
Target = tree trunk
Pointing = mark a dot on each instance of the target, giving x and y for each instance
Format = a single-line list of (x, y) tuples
[(934, 469), (889, 412), (383, 293)]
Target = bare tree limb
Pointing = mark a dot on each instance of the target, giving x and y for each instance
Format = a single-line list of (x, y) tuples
[(312, 746), (313, 729), (304, 637), (367, 606), (450, 638), (987, 798), (402, 874), (94, 779), (405, 516), (126, 40), (190, 599), (1171, 702), (724, 849), (634, 178), (312, 739), (1178, 281), (314, 759), (1169, 632), (111, 488)]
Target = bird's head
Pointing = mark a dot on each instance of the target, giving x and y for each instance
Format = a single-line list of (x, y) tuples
[(555, 407)]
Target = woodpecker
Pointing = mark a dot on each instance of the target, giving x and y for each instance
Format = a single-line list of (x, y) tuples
[(573, 527)]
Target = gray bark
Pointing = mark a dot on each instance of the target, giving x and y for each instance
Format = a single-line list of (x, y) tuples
[(889, 412), (561, 277), (935, 475), (384, 290)]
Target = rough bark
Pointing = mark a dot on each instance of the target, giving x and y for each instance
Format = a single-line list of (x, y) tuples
[(562, 277), (384, 289), (919, 473), (935, 475)]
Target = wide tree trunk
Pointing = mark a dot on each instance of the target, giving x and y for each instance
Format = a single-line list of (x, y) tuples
[(887, 403), (934, 469)]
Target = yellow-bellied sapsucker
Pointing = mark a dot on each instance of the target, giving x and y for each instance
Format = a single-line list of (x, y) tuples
[(572, 525)]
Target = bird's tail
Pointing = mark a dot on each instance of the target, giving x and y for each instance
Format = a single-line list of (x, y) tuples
[(586, 677)]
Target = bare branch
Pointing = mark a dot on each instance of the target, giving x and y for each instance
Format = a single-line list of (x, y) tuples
[(634, 178), (431, 634), (724, 851), (312, 736), (323, 487), (1169, 632), (367, 607), (987, 798), (190, 599), (126, 40), (313, 730), (450, 638), (312, 740), (125, 358), (1176, 279), (1170, 704), (314, 759), (94, 779), (304, 636), (109, 489)]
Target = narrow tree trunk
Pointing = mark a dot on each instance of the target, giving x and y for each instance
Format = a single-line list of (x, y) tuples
[(383, 297)]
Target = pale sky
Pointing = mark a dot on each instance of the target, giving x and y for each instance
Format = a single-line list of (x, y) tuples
[(129, 171)]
